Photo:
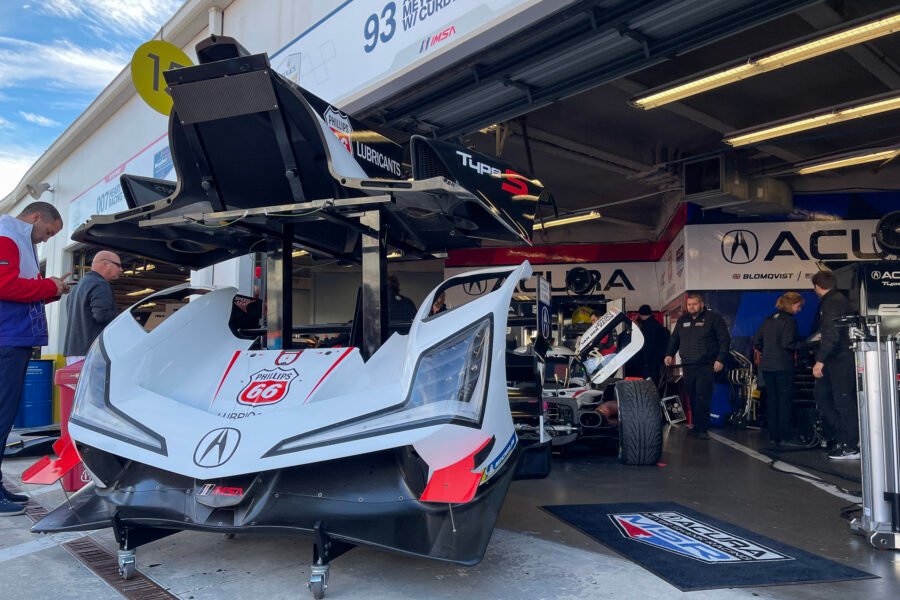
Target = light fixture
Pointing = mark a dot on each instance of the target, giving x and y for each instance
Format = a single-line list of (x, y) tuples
[(299, 253), (849, 161), (141, 292), (847, 112), (775, 60), (395, 254), (128, 272), (590, 216), (148, 267), (37, 190)]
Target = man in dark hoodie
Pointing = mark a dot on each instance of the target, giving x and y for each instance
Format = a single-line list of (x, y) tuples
[(92, 306), (835, 371), (701, 337)]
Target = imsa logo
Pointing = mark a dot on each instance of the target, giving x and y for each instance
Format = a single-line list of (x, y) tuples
[(676, 533)]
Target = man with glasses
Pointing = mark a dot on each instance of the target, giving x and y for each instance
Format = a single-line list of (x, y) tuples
[(91, 305)]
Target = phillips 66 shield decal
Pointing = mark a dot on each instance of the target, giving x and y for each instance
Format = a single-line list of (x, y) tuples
[(268, 386)]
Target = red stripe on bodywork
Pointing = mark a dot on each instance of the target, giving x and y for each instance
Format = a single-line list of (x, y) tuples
[(330, 369), (455, 483), (231, 364)]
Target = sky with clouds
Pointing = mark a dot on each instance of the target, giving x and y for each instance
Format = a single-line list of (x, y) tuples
[(56, 56)]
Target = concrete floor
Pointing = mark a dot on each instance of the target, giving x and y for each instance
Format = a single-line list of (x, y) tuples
[(532, 555)]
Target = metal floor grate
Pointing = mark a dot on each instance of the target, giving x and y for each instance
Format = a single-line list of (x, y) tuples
[(101, 561)]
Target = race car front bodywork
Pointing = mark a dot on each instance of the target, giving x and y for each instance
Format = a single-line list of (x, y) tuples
[(185, 427)]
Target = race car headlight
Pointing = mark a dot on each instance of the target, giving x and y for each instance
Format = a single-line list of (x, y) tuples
[(451, 378), (449, 385), (94, 411)]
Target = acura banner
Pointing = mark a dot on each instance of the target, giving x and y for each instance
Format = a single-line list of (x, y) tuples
[(772, 255)]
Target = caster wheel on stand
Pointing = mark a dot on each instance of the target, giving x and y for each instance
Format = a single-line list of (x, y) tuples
[(318, 581), (126, 561)]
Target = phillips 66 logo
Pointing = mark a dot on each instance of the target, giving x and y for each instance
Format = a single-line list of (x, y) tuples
[(267, 387)]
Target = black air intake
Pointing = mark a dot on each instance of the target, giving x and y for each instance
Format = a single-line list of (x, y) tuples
[(425, 161)]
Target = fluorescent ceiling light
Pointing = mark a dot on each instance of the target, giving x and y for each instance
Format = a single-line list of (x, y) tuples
[(834, 115), (141, 292), (395, 254), (567, 220), (849, 161), (776, 60), (299, 253)]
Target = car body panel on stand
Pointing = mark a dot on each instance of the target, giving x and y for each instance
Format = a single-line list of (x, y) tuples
[(401, 442)]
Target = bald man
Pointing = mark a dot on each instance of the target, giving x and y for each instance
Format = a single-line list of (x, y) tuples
[(91, 304)]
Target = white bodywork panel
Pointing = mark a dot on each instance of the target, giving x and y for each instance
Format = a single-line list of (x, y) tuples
[(190, 378)]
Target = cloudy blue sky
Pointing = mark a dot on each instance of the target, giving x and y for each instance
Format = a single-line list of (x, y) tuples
[(56, 56)]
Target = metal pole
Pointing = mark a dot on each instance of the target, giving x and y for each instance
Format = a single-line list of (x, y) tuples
[(374, 285), (279, 291)]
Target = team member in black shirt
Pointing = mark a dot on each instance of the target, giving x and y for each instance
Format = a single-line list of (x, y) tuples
[(834, 371), (702, 338), (777, 340)]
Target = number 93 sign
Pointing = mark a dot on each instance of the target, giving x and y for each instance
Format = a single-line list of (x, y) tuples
[(268, 386)]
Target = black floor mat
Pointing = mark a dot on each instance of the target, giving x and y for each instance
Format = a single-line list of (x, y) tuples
[(816, 460), (693, 551)]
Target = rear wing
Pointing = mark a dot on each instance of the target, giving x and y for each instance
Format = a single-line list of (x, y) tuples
[(253, 152)]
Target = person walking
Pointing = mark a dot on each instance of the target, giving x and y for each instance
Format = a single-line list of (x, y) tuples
[(23, 323), (777, 340), (701, 337), (92, 306), (835, 388)]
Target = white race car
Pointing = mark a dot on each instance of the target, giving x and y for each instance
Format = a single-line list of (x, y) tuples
[(402, 442)]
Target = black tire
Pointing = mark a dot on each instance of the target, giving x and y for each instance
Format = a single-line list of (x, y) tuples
[(640, 423)]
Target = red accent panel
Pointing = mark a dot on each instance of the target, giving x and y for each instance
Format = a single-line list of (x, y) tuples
[(47, 470), (572, 253), (231, 364), (330, 369), (455, 483)]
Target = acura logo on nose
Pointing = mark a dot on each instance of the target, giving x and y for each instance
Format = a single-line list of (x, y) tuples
[(740, 246), (217, 447)]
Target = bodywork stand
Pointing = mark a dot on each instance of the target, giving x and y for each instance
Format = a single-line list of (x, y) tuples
[(325, 548), (129, 539)]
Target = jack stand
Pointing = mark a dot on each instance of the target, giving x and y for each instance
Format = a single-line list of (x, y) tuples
[(879, 424), (325, 549)]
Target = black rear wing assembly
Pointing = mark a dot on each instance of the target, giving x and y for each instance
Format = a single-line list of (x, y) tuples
[(259, 170)]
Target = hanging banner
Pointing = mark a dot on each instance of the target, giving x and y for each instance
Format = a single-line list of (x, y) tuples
[(636, 282), (364, 43), (772, 256)]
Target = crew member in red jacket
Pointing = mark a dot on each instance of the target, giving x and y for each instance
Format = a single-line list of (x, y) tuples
[(23, 324)]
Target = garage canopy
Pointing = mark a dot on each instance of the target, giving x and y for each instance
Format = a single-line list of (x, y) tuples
[(556, 99)]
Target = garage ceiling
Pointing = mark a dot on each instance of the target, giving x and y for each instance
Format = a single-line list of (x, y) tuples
[(563, 87)]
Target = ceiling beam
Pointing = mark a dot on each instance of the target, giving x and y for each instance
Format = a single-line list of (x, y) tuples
[(823, 16), (565, 148), (634, 88)]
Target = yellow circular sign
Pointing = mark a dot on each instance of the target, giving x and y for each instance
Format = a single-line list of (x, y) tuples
[(149, 62)]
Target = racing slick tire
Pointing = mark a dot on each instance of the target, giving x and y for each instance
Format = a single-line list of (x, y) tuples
[(640, 423)]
